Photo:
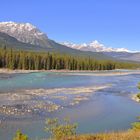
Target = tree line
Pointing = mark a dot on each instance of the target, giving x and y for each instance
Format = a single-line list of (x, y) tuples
[(28, 60)]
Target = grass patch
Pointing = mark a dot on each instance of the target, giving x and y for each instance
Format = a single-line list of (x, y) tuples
[(126, 135)]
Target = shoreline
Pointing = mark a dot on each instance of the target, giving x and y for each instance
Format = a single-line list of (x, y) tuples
[(75, 72)]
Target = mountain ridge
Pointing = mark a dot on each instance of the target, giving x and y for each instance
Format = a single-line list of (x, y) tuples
[(116, 53), (24, 32), (94, 46), (42, 44), (26, 36)]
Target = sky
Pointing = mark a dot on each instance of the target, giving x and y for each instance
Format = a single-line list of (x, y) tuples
[(114, 23)]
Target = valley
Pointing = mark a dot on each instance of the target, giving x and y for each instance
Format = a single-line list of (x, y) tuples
[(40, 78)]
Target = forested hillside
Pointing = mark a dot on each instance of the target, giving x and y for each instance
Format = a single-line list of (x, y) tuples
[(30, 60), (11, 42)]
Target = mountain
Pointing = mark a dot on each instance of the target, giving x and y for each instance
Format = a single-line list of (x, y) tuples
[(133, 56), (25, 36), (94, 46), (24, 32), (11, 42), (117, 53)]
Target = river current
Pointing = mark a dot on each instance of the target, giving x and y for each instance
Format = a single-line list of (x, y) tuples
[(98, 103)]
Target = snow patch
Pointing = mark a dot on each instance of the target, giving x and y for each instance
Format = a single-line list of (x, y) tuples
[(94, 46)]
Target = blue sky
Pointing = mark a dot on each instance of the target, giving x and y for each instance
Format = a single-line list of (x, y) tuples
[(115, 23)]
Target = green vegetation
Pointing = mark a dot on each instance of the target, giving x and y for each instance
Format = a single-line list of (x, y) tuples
[(66, 131), (29, 60), (58, 130), (124, 135), (49, 46), (138, 95), (136, 125), (20, 136)]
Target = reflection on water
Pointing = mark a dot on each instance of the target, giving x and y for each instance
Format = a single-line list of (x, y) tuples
[(97, 103)]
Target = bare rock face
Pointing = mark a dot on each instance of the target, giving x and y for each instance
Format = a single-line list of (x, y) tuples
[(24, 32)]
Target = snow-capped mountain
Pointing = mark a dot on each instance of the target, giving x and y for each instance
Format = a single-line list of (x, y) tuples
[(24, 32), (28, 33), (26, 36), (94, 46), (117, 53)]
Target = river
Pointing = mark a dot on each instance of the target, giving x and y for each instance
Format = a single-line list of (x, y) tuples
[(98, 103)]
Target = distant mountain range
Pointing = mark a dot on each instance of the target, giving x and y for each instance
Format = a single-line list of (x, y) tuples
[(94, 46), (25, 36), (117, 53)]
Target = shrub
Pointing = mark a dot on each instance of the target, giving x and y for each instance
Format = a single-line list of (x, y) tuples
[(58, 130), (20, 136), (138, 85), (136, 125), (138, 95)]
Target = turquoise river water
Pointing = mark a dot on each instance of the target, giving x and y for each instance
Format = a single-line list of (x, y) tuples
[(98, 103)]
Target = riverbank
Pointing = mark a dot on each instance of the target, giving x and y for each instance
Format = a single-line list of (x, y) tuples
[(9, 71), (126, 135), (76, 72)]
